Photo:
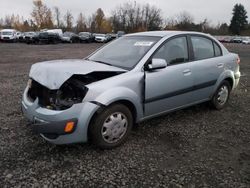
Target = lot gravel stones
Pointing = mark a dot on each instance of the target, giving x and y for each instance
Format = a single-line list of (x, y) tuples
[(194, 147)]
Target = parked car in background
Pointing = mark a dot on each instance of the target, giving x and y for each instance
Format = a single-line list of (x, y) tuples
[(59, 32), (112, 36), (226, 39), (134, 78), (120, 34), (69, 37), (21, 38), (86, 37), (246, 40), (102, 38), (42, 38), (31, 37), (48, 38), (236, 40), (18, 35), (8, 35)]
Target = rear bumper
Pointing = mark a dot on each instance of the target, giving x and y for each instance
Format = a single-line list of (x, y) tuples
[(237, 75), (236, 79)]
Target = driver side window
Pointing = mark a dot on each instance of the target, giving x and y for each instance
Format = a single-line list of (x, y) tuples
[(174, 51)]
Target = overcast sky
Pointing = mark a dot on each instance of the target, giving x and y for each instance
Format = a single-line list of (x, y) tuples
[(216, 11)]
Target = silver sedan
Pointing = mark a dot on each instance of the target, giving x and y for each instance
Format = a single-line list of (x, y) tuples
[(133, 78)]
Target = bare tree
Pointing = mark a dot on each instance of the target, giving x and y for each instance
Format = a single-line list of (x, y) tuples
[(90, 23), (69, 20), (99, 19), (185, 21), (1, 22), (132, 17), (81, 23), (205, 25), (153, 18), (57, 16), (42, 15), (8, 21), (184, 18), (170, 23)]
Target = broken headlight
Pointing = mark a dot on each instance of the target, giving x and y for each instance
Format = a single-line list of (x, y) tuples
[(71, 92)]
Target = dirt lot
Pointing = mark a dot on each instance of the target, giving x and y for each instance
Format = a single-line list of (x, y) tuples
[(195, 147)]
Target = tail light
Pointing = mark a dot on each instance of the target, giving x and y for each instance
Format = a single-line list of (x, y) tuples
[(238, 60)]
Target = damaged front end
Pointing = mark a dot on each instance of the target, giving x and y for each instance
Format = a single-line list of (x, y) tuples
[(71, 91)]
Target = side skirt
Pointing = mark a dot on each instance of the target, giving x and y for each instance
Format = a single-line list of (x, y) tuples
[(172, 110)]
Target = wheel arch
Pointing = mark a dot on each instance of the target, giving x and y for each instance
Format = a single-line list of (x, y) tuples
[(228, 76), (230, 80), (130, 105)]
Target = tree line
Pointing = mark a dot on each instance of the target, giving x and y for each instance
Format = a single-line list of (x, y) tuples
[(128, 17)]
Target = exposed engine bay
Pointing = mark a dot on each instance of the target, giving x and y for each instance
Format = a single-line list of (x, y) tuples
[(71, 92)]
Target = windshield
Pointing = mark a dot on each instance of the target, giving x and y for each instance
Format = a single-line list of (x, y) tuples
[(125, 52), (100, 35), (84, 34), (66, 34), (7, 33), (29, 34), (44, 34)]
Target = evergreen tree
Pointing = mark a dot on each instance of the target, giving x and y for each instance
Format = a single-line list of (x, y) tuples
[(239, 19)]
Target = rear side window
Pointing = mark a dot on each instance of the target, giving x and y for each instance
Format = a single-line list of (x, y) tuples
[(203, 48), (217, 50), (174, 51)]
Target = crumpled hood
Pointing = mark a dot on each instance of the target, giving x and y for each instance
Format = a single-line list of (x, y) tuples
[(53, 74)]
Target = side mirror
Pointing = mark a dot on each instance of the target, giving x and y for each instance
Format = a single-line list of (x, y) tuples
[(157, 64)]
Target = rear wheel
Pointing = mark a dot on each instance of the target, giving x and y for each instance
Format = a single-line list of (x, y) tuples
[(111, 127), (221, 95)]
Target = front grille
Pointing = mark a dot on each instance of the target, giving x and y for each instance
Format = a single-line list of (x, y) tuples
[(71, 92), (45, 96)]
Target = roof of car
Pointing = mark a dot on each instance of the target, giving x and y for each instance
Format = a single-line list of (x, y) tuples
[(162, 33), (7, 30)]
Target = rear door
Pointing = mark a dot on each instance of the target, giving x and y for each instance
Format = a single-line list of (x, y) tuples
[(207, 66), (171, 87)]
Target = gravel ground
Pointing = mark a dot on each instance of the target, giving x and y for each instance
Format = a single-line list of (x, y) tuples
[(195, 147)]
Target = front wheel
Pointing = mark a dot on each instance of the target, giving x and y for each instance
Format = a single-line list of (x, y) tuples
[(111, 127), (221, 95)]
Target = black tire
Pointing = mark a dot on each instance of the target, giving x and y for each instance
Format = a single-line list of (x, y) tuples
[(97, 127), (216, 102)]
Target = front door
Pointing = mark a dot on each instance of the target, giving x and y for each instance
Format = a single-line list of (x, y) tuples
[(171, 87)]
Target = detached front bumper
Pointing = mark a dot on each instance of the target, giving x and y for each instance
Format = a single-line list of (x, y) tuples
[(51, 124)]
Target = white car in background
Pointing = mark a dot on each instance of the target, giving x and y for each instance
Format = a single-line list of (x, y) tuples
[(9, 35), (101, 38), (246, 40), (19, 34)]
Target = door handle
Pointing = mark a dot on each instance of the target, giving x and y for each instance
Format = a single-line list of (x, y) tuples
[(187, 72), (220, 65)]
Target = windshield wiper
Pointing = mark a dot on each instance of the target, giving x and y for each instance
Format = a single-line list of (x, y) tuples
[(102, 62)]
